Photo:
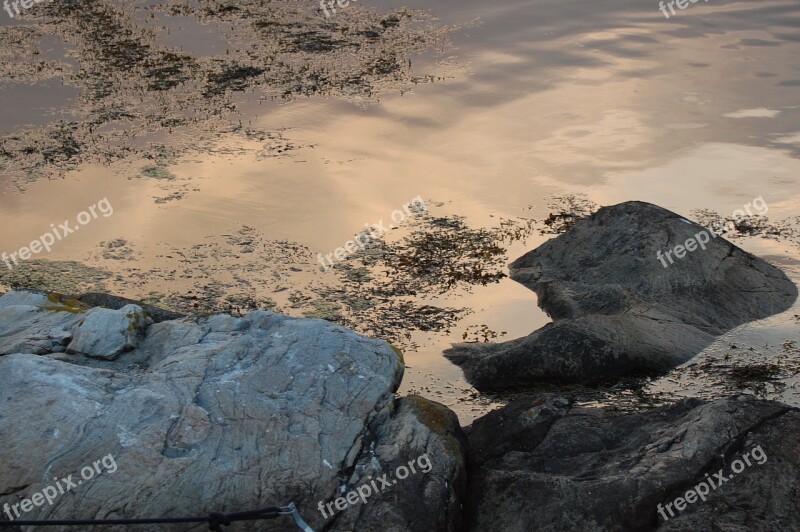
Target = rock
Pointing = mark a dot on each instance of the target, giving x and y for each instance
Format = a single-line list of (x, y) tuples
[(35, 323), (617, 310), (97, 299), (223, 414), (105, 333), (542, 465), (427, 437), (25, 299)]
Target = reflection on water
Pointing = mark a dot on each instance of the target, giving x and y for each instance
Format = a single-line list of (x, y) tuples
[(229, 190)]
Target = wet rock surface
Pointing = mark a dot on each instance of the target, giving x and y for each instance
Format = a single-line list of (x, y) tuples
[(541, 464), (217, 413), (617, 310)]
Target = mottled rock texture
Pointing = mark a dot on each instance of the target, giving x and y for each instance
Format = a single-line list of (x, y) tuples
[(211, 414), (544, 465)]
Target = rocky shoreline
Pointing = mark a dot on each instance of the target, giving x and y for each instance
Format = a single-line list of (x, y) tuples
[(220, 413)]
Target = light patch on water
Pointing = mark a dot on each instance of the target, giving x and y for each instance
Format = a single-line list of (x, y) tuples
[(793, 138), (761, 112), (725, 175), (680, 126), (602, 142)]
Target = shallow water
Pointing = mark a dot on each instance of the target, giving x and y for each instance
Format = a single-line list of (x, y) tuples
[(520, 101)]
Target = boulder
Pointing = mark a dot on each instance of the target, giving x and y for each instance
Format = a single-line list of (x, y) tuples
[(617, 310), (105, 333), (426, 437), (541, 464), (220, 414)]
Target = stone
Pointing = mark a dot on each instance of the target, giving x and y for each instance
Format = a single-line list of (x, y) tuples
[(35, 323), (424, 436), (221, 414), (616, 310), (541, 464), (98, 299), (106, 333)]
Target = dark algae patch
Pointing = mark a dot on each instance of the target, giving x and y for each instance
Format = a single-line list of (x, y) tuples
[(750, 225), (131, 85), (63, 277), (382, 291), (565, 210)]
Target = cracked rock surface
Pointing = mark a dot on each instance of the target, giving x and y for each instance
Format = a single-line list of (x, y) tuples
[(212, 414), (426, 436), (617, 310), (539, 464)]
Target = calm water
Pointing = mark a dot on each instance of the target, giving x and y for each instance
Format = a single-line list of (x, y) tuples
[(525, 100)]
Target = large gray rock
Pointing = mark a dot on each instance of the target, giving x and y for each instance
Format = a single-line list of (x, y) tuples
[(542, 465), (221, 414), (617, 310)]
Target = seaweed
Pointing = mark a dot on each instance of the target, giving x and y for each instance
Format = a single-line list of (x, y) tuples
[(133, 86)]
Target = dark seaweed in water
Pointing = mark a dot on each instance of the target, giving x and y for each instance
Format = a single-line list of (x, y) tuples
[(132, 85), (63, 277), (750, 225), (755, 373), (381, 288), (565, 211), (231, 76), (384, 291), (444, 254)]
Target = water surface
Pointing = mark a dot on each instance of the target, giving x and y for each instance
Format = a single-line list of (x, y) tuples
[(486, 109)]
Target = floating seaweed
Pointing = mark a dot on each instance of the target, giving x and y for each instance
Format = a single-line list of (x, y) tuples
[(132, 86)]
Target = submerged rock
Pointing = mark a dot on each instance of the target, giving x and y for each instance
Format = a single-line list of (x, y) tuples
[(216, 414), (619, 307), (543, 465)]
